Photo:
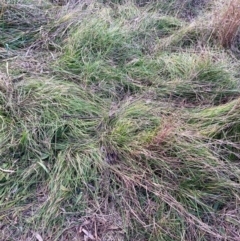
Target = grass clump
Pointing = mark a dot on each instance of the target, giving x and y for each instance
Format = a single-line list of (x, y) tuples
[(192, 35), (42, 119), (195, 78), (96, 40), (21, 104), (221, 125), (96, 52), (221, 121), (151, 27)]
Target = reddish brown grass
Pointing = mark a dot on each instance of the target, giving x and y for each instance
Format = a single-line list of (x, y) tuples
[(228, 24)]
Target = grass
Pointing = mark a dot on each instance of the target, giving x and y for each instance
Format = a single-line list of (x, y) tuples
[(227, 24), (197, 78), (20, 24), (117, 122)]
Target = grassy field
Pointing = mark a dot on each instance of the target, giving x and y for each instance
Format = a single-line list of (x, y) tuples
[(119, 120)]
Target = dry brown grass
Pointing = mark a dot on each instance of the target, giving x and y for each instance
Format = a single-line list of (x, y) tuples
[(228, 23)]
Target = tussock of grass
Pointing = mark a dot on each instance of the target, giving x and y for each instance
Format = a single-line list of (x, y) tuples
[(197, 78), (151, 27), (21, 104), (221, 121), (197, 33), (101, 145), (97, 40), (221, 125), (96, 51)]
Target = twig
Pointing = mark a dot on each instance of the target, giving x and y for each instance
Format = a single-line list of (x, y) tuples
[(6, 170)]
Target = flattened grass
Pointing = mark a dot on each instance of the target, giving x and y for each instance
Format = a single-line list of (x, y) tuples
[(21, 23)]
